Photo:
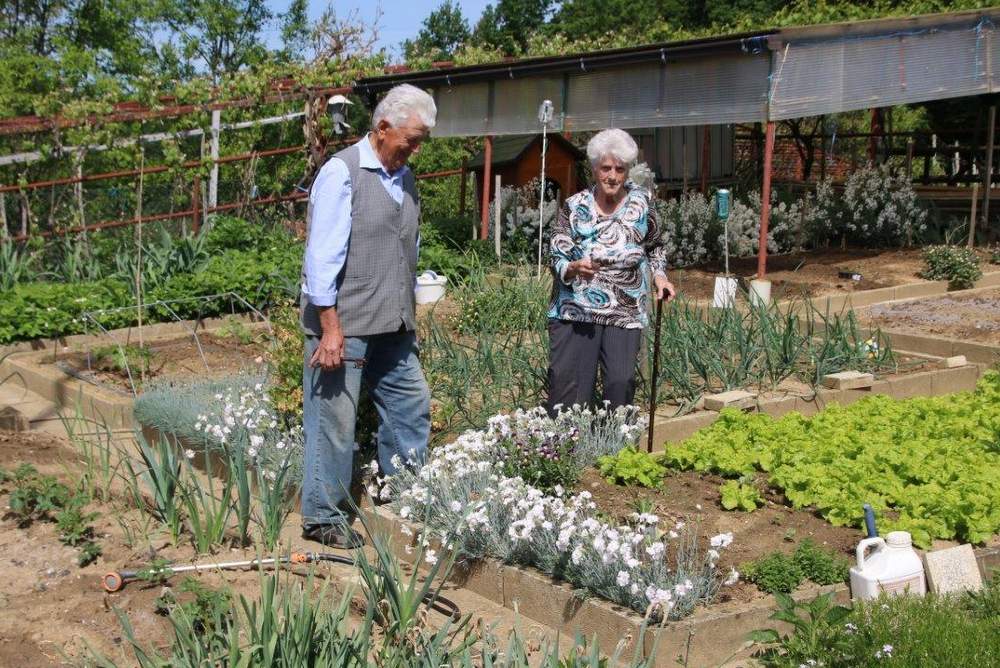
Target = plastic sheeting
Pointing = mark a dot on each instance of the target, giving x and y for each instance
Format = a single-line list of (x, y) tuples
[(713, 91), (707, 91), (850, 73)]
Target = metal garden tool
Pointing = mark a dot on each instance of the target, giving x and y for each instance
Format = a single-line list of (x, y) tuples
[(116, 580)]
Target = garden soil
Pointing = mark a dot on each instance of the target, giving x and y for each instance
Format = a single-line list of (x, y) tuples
[(966, 317), (693, 498), (812, 274), (173, 359)]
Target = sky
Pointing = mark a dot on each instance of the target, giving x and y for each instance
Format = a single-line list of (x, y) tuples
[(401, 19)]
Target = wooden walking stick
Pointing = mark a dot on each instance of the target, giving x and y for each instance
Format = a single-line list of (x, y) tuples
[(656, 370)]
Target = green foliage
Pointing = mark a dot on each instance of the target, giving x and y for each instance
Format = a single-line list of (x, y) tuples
[(542, 461), (492, 303), (777, 572), (35, 497), (705, 350), (205, 607), (985, 604), (911, 631), (930, 463), (44, 310), (285, 360), (819, 565), (632, 467), (736, 494), (443, 31), (816, 631), (995, 256), (955, 264), (234, 328), (16, 265), (75, 530), (122, 359)]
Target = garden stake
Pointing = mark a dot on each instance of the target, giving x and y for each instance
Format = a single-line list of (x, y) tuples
[(656, 371), (116, 580)]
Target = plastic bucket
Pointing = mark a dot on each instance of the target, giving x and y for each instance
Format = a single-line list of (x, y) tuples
[(430, 287)]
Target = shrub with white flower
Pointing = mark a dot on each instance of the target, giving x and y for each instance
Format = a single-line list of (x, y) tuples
[(463, 498), (245, 418), (879, 208), (688, 223), (519, 219)]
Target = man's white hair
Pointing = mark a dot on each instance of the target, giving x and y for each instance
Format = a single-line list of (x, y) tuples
[(613, 143), (404, 103)]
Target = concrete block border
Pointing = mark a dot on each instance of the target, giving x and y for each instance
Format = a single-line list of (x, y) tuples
[(711, 636), (899, 386)]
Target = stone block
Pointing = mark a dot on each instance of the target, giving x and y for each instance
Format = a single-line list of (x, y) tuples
[(917, 290), (953, 362), (910, 385), (960, 379), (980, 353), (740, 399), (925, 345), (848, 380), (536, 596), (778, 406), (990, 279), (675, 430), (482, 576), (952, 570), (12, 419)]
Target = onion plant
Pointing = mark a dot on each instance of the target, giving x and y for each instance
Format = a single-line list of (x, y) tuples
[(160, 470), (208, 504)]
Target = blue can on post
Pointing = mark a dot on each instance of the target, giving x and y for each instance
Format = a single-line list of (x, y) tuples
[(722, 197)]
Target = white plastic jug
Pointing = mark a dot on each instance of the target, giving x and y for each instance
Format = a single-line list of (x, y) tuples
[(893, 567), (430, 287)]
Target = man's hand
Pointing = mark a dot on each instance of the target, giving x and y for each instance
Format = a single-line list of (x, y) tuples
[(664, 288), (584, 269), (329, 355)]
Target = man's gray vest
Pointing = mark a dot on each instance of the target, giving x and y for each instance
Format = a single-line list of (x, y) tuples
[(375, 286)]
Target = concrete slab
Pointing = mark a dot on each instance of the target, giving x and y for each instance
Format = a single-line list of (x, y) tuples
[(848, 380), (740, 399), (954, 361), (918, 290), (675, 430), (952, 570), (960, 379)]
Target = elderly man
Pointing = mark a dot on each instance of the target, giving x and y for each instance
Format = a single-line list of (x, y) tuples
[(357, 310)]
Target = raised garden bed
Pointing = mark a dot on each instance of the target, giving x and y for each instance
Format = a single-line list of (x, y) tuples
[(128, 367), (969, 315)]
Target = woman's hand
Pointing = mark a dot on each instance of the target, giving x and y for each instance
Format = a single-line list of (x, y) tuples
[(664, 288), (584, 269)]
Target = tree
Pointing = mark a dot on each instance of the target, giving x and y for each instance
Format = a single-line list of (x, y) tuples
[(295, 30), (510, 24), (218, 37), (577, 19), (444, 31)]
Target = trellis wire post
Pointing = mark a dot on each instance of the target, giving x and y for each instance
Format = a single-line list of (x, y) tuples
[(497, 203), (213, 182), (545, 117), (138, 263)]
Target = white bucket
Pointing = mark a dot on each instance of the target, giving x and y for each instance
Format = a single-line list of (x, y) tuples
[(760, 292), (430, 287)]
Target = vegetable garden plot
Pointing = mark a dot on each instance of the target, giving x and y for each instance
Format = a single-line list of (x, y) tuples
[(233, 349), (967, 316), (928, 465)]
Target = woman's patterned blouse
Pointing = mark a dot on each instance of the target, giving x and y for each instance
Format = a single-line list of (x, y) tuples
[(623, 244)]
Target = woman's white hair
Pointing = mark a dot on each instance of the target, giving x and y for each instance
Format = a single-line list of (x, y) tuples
[(404, 102), (614, 143)]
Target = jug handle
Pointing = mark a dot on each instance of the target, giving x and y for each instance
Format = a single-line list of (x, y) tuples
[(863, 548)]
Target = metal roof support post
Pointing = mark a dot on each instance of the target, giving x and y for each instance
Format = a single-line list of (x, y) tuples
[(988, 172), (484, 220), (213, 177), (765, 201), (706, 156)]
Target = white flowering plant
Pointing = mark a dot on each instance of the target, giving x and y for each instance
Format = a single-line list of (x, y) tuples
[(879, 207), (469, 506), (519, 219)]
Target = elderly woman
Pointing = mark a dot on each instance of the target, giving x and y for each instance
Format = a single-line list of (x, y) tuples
[(605, 239)]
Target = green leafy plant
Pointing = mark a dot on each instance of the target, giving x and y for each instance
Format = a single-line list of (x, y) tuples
[(75, 530), (816, 631), (927, 464), (234, 328), (819, 565), (35, 497), (207, 503), (632, 467), (160, 470), (126, 359), (774, 573), (276, 500), (955, 264), (736, 494), (205, 607)]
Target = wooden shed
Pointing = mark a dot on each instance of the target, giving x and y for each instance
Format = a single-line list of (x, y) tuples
[(517, 159)]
